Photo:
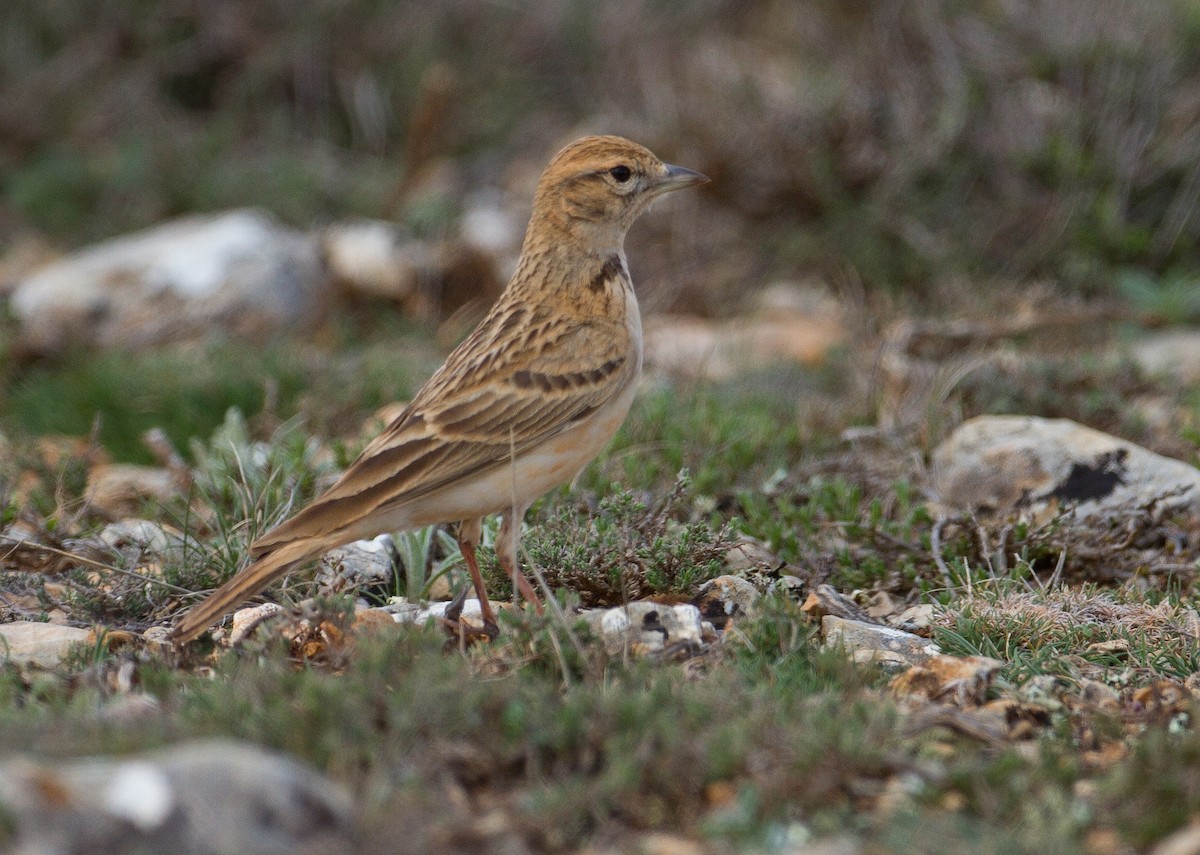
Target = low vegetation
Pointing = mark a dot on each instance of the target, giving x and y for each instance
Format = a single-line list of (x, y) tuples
[(762, 743)]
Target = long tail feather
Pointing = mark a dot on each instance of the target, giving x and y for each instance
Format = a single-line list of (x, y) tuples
[(237, 590)]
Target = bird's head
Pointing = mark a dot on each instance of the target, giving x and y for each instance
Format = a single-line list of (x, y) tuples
[(597, 186)]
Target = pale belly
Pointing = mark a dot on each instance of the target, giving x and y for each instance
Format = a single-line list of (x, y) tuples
[(531, 475)]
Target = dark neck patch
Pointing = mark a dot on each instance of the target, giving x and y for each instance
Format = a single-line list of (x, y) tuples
[(610, 271)]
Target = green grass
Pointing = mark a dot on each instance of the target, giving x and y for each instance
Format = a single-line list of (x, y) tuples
[(186, 390), (702, 433), (184, 393)]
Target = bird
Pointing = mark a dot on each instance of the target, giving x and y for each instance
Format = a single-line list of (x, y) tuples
[(519, 408)]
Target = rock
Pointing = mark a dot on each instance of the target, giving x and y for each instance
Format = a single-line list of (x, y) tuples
[(374, 258), (241, 271), (959, 680), (720, 350), (791, 323), (792, 586), (371, 621), (1097, 695), (439, 587), (826, 600), (749, 553), (139, 542), (432, 279), (725, 597), (201, 797), (872, 643), (158, 636), (646, 627), (1002, 463), (1173, 353), (914, 617), (356, 565), (136, 538), (246, 620), (42, 645), (20, 532), (878, 605), (119, 489), (404, 612), (491, 223), (994, 724)]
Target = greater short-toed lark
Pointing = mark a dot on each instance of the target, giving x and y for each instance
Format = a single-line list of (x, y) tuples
[(520, 407)]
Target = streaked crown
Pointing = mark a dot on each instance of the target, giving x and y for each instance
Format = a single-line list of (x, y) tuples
[(597, 186)]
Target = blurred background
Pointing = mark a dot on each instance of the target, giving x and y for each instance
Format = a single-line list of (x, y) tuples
[(903, 143), (921, 157)]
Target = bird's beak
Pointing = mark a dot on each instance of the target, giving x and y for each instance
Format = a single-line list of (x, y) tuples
[(676, 178)]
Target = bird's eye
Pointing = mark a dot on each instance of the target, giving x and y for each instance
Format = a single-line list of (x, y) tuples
[(620, 173)]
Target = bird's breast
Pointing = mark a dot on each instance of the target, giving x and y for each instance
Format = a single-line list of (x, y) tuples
[(633, 324)]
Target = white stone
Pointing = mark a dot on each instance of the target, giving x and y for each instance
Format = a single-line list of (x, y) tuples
[(646, 627), (245, 620), (1185, 841), (372, 257), (719, 350), (470, 607), (915, 617), (748, 553), (490, 225), (241, 270), (614, 622), (39, 644), (1002, 463), (204, 796), (143, 535), (140, 793), (406, 612), (356, 565), (868, 642)]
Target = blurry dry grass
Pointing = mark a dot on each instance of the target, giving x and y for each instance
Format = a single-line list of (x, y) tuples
[(898, 144)]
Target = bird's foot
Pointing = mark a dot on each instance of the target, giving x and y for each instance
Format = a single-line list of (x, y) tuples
[(463, 632)]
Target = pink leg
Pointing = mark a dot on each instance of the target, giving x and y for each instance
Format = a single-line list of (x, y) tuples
[(506, 552), (468, 539)]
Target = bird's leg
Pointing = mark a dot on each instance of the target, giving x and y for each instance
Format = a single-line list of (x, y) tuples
[(506, 552), (468, 539)]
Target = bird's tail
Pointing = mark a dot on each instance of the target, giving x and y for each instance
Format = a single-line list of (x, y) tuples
[(237, 590)]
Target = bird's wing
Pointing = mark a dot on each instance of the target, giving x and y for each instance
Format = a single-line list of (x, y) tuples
[(484, 406)]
